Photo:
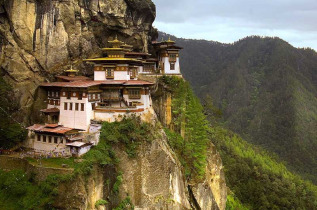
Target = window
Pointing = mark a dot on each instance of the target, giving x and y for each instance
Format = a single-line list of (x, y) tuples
[(49, 93), (172, 57), (172, 67), (93, 105), (70, 106), (76, 106), (80, 96), (93, 96), (44, 138), (69, 94), (65, 106), (53, 94), (109, 73), (82, 107), (49, 139), (55, 140), (89, 97), (148, 68), (38, 137), (57, 94), (132, 73), (134, 93)]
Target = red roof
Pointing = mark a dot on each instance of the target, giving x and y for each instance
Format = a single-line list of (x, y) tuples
[(75, 78), (51, 110), (81, 83), (86, 84), (138, 82), (43, 128), (51, 125)]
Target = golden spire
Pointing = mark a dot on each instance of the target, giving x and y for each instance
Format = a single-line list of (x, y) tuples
[(169, 40), (71, 72)]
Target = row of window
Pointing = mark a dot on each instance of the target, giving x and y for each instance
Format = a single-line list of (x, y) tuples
[(134, 94), (69, 106), (53, 93), (93, 96), (50, 139), (53, 102)]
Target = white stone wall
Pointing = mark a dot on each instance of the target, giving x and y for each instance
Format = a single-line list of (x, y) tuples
[(46, 147), (121, 75), (83, 150), (75, 119), (114, 116), (99, 75), (167, 66)]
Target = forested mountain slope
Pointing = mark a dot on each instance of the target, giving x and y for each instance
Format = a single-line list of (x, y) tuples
[(266, 89)]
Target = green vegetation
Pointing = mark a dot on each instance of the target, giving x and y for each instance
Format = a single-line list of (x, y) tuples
[(128, 133), (18, 191), (233, 203), (101, 202), (258, 180), (188, 118), (11, 132), (267, 91), (126, 204), (53, 162)]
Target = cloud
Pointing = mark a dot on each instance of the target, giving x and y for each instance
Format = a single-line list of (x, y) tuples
[(229, 20)]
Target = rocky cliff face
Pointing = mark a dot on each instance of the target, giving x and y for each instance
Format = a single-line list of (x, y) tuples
[(152, 180), (40, 38)]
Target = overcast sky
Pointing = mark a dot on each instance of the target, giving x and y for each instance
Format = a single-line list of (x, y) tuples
[(229, 20)]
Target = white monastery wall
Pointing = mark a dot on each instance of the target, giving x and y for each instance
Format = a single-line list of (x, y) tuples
[(47, 146), (121, 75), (75, 118), (99, 75), (167, 67)]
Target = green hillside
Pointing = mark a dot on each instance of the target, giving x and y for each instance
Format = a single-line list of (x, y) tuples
[(267, 91), (258, 180)]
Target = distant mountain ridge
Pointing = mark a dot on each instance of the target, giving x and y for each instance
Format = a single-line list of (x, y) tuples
[(267, 90)]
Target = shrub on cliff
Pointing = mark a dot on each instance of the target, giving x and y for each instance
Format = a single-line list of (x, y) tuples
[(187, 118)]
